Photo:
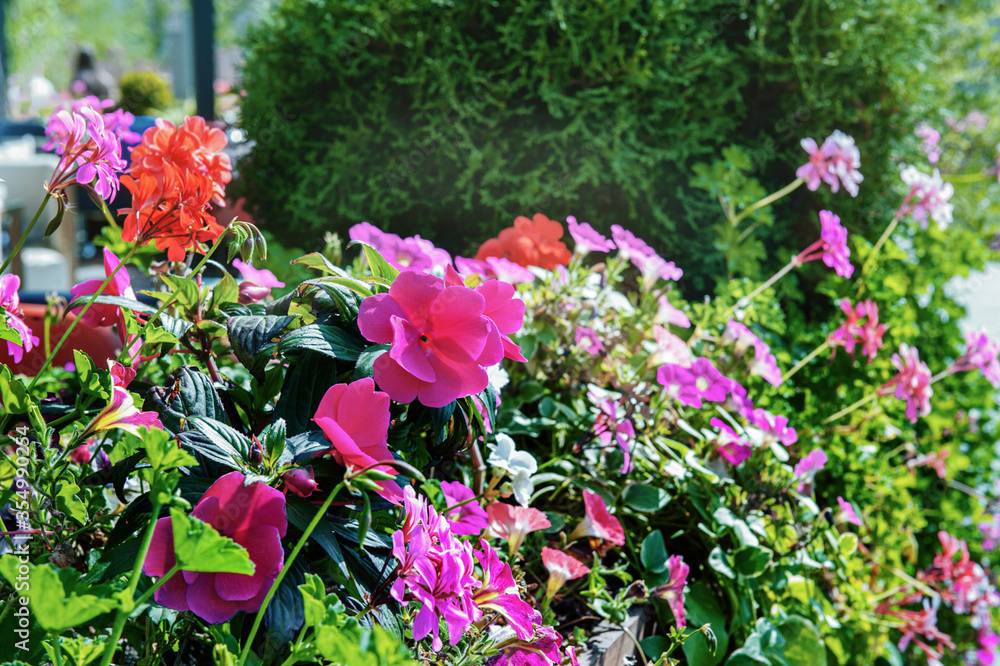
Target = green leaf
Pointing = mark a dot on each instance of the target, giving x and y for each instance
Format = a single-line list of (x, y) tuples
[(654, 552), (199, 547), (229, 440), (654, 646), (751, 561), (81, 649), (90, 381), (104, 299), (366, 361), (68, 501), (327, 340), (803, 643), (303, 389), (847, 544), (157, 335), (13, 394), (225, 291), (702, 607), (56, 600), (185, 288), (317, 261), (717, 560), (359, 646), (645, 499), (252, 338), (379, 266), (163, 452)]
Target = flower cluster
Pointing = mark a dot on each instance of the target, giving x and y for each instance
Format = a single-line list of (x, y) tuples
[(835, 163), (406, 254), (913, 383), (690, 385), (613, 427), (652, 266), (927, 198), (533, 242), (862, 327), (764, 363), (90, 152), (980, 354), (831, 247)]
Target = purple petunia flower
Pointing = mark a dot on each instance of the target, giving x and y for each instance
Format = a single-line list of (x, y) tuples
[(587, 238), (467, 519)]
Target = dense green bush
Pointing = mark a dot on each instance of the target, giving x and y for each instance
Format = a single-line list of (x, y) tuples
[(144, 93), (449, 119)]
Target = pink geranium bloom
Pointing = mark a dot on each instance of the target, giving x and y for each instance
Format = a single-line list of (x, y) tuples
[(10, 310), (254, 517), (494, 268), (300, 481), (513, 523), (441, 339), (668, 314), (499, 593), (587, 238), (469, 518), (588, 340), (650, 264), (928, 198), (673, 589), (669, 349), (121, 285), (90, 152), (598, 521), (835, 163), (980, 353), (355, 418), (913, 383), (406, 254), (831, 247), (991, 534), (122, 412), (862, 327), (691, 385), (808, 467), (847, 512), (562, 568), (731, 446)]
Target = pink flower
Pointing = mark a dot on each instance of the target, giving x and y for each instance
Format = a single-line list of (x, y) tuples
[(494, 268), (252, 516), (355, 418), (121, 285), (10, 309), (669, 349), (731, 446), (469, 518), (673, 589), (643, 257), (935, 460), (764, 363), (929, 145), (835, 163), (981, 353), (609, 426), (506, 312), (498, 592), (668, 314), (91, 153), (81, 455), (831, 247), (406, 254), (847, 512), (598, 521), (543, 650), (587, 239), (562, 568), (991, 534), (300, 481), (588, 340), (913, 383), (513, 523), (122, 412), (693, 384), (774, 427), (861, 327), (808, 467), (441, 339), (928, 198), (257, 282)]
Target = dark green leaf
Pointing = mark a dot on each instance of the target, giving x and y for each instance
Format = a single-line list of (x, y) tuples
[(327, 340), (252, 338), (645, 499)]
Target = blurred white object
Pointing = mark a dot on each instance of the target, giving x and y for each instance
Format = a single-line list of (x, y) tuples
[(44, 270)]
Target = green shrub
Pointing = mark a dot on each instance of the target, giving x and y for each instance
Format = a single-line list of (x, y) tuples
[(449, 119), (144, 93)]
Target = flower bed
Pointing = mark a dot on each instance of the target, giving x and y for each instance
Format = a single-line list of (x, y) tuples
[(486, 460)]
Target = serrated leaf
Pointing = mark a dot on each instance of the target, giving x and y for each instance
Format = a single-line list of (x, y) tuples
[(56, 600), (225, 291), (68, 502), (13, 393), (232, 442), (184, 288), (199, 547), (163, 452)]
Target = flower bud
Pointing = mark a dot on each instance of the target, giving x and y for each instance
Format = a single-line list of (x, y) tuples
[(252, 293), (300, 481)]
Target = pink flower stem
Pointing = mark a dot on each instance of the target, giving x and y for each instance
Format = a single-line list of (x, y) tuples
[(813, 354), (281, 574), (769, 199)]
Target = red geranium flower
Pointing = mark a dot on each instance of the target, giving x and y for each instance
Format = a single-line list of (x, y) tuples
[(533, 242)]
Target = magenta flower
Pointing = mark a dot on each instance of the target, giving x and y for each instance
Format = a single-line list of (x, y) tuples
[(300, 481), (612, 427), (774, 427), (10, 309), (469, 518), (441, 339), (847, 512), (731, 446), (355, 418), (257, 282), (494, 268), (587, 238), (691, 385), (673, 589), (831, 247), (513, 523), (808, 467), (650, 264), (588, 340), (543, 650), (252, 516), (913, 383), (928, 198), (835, 163), (121, 285), (91, 153), (562, 568), (506, 312), (122, 413), (499, 593), (598, 521), (991, 534), (980, 353), (668, 314), (406, 254), (763, 363), (861, 327)]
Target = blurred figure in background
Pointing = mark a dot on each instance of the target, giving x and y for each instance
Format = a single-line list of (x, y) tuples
[(89, 79)]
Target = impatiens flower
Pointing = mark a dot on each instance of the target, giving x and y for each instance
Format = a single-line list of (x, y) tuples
[(467, 519), (122, 412), (763, 363), (533, 242), (562, 568), (440, 339), (256, 284), (121, 285), (598, 521), (254, 517), (913, 383), (935, 461), (588, 340), (668, 314), (587, 238), (499, 593), (831, 247), (930, 138), (300, 481), (504, 458), (355, 418), (862, 327), (406, 254), (613, 427), (10, 310), (835, 163), (731, 446), (506, 312), (667, 348), (494, 268), (690, 385), (980, 353), (673, 589), (928, 198), (513, 523), (847, 512), (807, 468)]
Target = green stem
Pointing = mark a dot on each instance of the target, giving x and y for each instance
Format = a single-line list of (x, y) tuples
[(159, 583), (769, 199), (743, 302), (813, 354), (24, 234), (133, 583), (878, 246), (284, 570), (847, 410)]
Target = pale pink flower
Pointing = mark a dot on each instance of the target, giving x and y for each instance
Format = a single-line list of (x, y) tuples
[(598, 521), (10, 310), (673, 590), (562, 568), (774, 427), (668, 314), (935, 461), (587, 238), (514, 523), (494, 268), (669, 349), (913, 383), (807, 468), (980, 353), (763, 363), (847, 512), (928, 198), (930, 138), (835, 163), (612, 425)]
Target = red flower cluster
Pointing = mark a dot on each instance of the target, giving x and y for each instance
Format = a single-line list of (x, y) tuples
[(533, 242), (177, 173)]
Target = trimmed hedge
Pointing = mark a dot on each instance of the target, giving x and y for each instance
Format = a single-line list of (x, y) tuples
[(449, 119)]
